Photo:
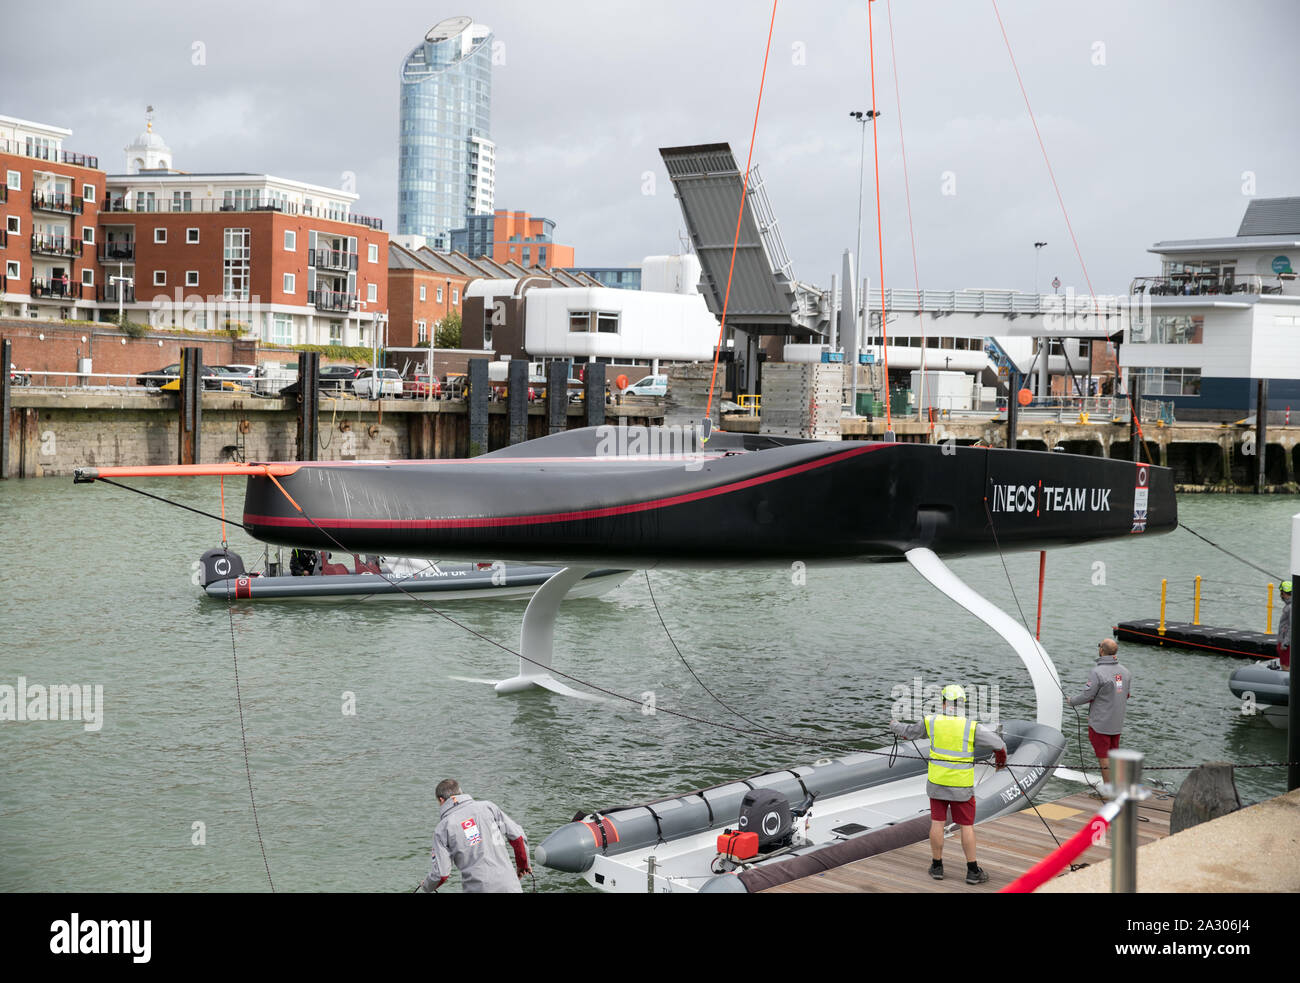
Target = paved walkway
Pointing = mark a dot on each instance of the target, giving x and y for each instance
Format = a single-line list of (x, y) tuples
[(1253, 850)]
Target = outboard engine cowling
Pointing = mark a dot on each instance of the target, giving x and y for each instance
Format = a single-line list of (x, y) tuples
[(766, 812), (217, 564)]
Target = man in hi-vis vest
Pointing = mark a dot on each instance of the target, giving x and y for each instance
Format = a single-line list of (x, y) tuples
[(951, 782)]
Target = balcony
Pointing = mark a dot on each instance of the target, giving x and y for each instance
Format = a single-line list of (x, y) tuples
[(163, 203), (58, 287), (25, 149), (117, 251), (1209, 284), (332, 300), (64, 204), (56, 246), (333, 259), (109, 293)]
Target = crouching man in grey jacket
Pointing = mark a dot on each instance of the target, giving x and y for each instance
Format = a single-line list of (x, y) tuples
[(473, 836)]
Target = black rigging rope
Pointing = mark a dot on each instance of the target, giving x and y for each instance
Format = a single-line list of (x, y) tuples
[(1241, 559)]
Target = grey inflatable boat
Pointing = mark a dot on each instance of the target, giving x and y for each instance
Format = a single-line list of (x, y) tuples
[(222, 575), (831, 812), (1265, 684)]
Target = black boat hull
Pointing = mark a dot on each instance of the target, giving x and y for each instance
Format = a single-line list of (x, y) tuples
[(574, 498)]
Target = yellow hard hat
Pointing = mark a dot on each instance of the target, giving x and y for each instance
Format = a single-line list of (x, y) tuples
[(954, 692)]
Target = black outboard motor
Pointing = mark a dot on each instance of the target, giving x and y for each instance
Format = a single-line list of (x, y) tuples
[(217, 564), (767, 812)]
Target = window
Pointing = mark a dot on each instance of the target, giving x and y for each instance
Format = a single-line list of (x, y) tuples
[(455, 297), (88, 193), (579, 321), (160, 278), (87, 278), (14, 224), (1169, 382), (282, 330), (336, 333), (372, 252), (11, 269), (607, 323), (88, 234), (14, 180), (191, 236), (235, 255), (422, 293), (159, 235), (290, 283), (440, 295), (423, 333), (1167, 329), (290, 241), (191, 278), (372, 292)]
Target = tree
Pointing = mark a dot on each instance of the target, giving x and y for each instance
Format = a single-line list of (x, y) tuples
[(448, 333)]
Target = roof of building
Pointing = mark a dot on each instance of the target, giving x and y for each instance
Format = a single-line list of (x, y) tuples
[(1226, 242), (1268, 223), (401, 258), (1271, 217)]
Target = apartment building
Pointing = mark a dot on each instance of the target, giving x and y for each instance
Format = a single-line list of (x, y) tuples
[(49, 207)]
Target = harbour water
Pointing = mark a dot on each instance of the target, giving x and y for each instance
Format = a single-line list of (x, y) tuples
[(95, 589)]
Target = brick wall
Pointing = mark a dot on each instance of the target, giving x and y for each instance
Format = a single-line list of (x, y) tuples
[(48, 346)]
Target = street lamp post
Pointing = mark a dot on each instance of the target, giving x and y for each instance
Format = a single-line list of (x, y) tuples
[(120, 279), (1038, 246)]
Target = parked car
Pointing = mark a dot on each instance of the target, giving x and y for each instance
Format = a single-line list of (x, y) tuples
[(651, 385), (154, 379), (212, 379), (372, 383), (421, 388), (245, 375), (339, 377)]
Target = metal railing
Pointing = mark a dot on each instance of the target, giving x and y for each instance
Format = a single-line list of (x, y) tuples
[(109, 293), (332, 300), (333, 259), (56, 201), (994, 302), (56, 246), (117, 251), (55, 287), (24, 149), (1207, 284), (1092, 409), (164, 203)]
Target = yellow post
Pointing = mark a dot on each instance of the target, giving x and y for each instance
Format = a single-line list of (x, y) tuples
[(1268, 629), (1164, 590), (1196, 611)]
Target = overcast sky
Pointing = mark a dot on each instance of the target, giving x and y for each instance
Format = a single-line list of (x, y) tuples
[(1152, 112)]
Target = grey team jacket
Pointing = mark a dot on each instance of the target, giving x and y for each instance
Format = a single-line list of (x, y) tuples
[(1108, 689), (475, 837)]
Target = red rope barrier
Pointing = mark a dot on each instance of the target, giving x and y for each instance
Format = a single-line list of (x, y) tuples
[(1052, 864)]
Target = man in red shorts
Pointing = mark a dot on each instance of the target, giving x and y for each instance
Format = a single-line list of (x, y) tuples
[(1108, 689), (951, 783)]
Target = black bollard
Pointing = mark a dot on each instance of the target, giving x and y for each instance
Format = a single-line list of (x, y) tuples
[(557, 396), (479, 387), (594, 394), (517, 400), (190, 425)]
